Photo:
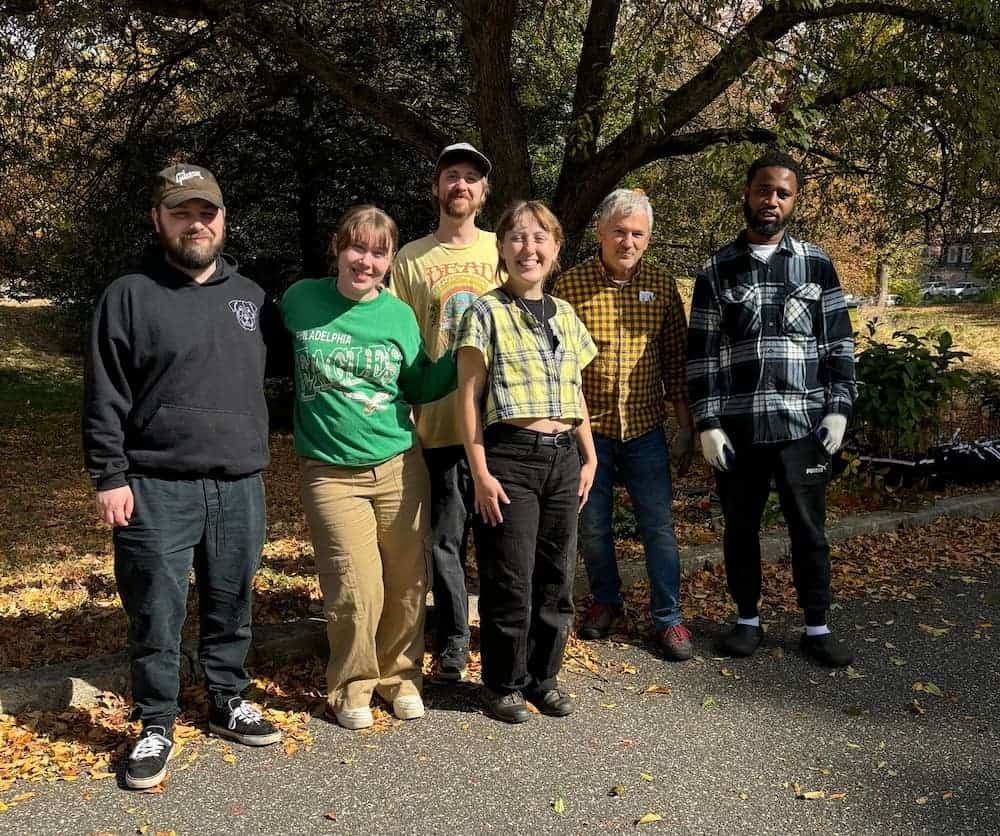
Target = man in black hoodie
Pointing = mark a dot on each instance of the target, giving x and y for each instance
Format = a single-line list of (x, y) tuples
[(175, 439)]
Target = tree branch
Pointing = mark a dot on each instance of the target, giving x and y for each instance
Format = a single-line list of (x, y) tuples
[(634, 145), (591, 80), (366, 99)]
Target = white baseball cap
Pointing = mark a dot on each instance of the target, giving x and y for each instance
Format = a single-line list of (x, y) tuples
[(464, 150)]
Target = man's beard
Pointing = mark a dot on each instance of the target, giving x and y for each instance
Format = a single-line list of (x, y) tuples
[(193, 255), (767, 228), (449, 208)]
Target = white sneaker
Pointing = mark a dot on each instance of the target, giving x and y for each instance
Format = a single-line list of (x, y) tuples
[(355, 718), (408, 707)]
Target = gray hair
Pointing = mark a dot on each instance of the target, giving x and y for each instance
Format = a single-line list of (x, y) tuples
[(624, 202)]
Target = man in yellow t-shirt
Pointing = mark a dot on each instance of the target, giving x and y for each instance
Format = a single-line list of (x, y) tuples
[(439, 276)]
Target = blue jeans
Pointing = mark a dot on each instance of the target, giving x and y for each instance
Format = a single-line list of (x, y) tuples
[(643, 465)]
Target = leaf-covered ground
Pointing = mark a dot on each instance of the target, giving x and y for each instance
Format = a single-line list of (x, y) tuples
[(57, 591), (58, 600), (84, 743)]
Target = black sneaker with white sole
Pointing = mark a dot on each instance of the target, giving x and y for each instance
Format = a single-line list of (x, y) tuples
[(147, 764), (238, 720)]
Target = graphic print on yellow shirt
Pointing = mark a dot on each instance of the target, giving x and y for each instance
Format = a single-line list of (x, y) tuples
[(439, 282)]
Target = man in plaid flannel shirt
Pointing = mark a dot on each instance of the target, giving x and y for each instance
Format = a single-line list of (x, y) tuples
[(635, 315), (771, 379)]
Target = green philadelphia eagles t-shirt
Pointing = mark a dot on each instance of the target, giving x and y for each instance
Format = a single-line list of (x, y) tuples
[(358, 367)]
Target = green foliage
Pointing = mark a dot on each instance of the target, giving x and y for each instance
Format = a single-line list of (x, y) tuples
[(986, 267), (623, 522), (984, 391), (990, 296), (908, 290), (299, 123), (772, 514), (904, 387)]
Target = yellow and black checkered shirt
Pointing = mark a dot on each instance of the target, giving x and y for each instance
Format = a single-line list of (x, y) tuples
[(641, 336), (528, 377)]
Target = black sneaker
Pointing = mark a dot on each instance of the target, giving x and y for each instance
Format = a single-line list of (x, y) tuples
[(147, 764), (742, 640), (453, 662), (238, 720), (507, 707), (552, 702), (827, 650)]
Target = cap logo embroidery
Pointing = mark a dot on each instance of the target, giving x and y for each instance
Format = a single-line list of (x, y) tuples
[(183, 176), (246, 313)]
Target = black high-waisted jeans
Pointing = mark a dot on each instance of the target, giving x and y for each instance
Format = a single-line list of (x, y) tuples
[(526, 563)]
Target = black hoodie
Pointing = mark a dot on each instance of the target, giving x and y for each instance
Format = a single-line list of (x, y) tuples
[(175, 372)]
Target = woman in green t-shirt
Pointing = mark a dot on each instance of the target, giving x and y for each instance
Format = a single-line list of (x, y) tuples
[(359, 365)]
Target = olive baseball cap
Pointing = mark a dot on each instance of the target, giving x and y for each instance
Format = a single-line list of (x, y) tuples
[(184, 181), (464, 151)]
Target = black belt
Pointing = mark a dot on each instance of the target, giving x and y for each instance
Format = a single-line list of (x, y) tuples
[(530, 438)]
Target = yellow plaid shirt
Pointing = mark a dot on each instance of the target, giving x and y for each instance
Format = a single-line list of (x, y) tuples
[(641, 335), (527, 378)]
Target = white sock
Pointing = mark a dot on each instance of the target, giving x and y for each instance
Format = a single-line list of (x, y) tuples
[(750, 622), (817, 630)]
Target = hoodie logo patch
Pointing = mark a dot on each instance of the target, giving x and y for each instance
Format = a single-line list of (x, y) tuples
[(246, 314)]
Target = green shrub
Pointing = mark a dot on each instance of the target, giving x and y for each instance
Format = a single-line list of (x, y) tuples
[(990, 296), (909, 291), (984, 392), (905, 387)]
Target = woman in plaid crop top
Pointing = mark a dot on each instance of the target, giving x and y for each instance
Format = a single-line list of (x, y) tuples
[(527, 436)]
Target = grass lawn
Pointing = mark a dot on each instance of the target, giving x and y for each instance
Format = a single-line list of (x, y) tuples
[(974, 328)]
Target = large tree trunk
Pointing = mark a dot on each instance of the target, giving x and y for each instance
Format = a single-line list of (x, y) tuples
[(488, 27), (311, 247), (882, 278)]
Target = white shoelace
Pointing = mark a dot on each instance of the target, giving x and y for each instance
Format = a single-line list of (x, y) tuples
[(150, 746), (245, 712)]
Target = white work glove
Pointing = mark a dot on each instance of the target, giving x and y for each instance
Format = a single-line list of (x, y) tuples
[(831, 432), (682, 450), (717, 449)]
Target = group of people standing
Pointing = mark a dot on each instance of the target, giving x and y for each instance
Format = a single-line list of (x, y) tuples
[(459, 385)]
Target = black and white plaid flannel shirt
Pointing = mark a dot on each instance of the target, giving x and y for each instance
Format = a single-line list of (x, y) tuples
[(770, 345)]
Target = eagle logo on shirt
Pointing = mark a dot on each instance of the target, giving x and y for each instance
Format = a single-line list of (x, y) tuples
[(373, 404), (246, 313)]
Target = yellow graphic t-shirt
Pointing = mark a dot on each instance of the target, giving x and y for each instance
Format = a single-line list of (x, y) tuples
[(439, 281)]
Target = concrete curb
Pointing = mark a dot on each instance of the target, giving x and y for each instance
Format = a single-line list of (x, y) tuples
[(78, 683)]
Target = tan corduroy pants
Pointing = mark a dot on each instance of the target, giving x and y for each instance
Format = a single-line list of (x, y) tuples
[(370, 530)]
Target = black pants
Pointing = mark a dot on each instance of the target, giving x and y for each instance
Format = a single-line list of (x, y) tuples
[(218, 528), (452, 503), (525, 563), (801, 470)]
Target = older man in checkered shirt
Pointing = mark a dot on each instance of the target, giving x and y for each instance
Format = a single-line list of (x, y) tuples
[(771, 376), (634, 313)]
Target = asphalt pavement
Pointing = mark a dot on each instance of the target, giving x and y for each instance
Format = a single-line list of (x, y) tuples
[(722, 751)]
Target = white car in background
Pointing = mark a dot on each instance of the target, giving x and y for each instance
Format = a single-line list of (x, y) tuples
[(932, 289), (966, 290)]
